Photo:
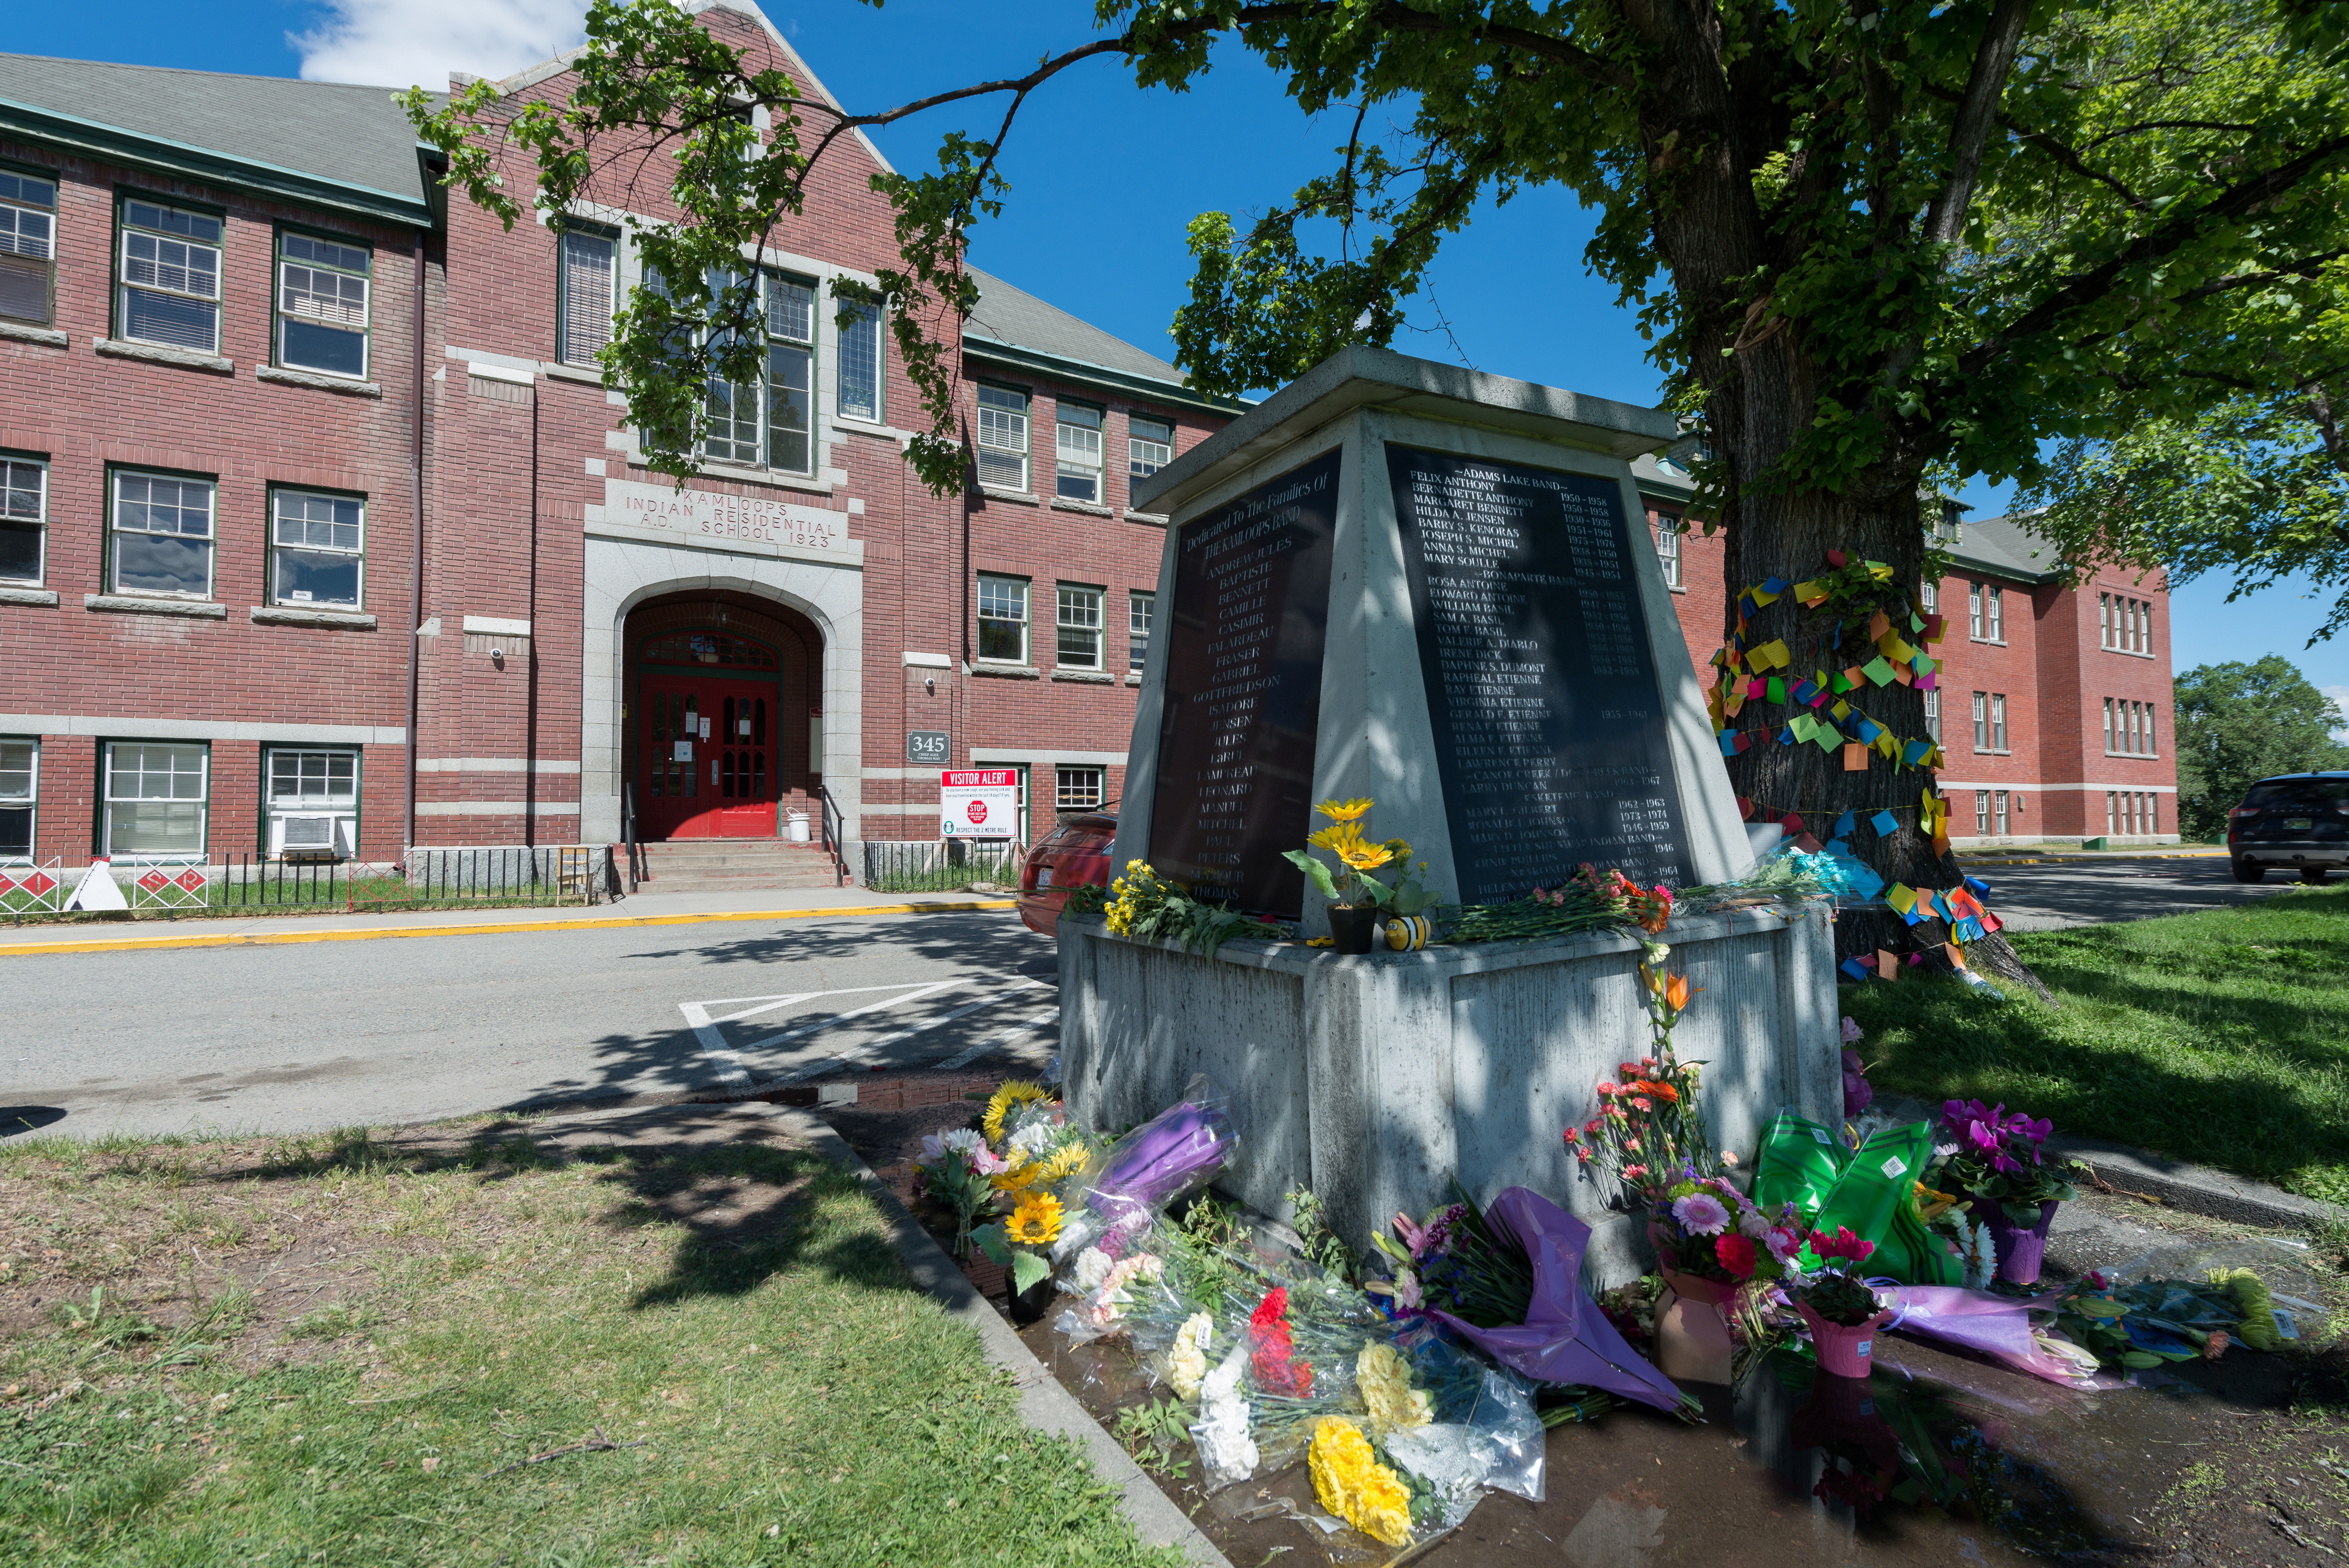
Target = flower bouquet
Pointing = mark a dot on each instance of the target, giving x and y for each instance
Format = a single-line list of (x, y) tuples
[(1711, 1243), (1838, 1304), (1358, 900), (1174, 1153), (1999, 1163), (957, 1169)]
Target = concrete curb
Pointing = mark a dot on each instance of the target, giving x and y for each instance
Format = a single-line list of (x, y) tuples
[(2171, 1183), (1044, 1405), (2093, 856), (21, 948)]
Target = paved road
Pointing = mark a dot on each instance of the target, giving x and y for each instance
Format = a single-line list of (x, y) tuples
[(294, 1038), (2056, 895)]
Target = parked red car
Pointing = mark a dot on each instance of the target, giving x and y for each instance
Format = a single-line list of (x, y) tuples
[(1074, 855)]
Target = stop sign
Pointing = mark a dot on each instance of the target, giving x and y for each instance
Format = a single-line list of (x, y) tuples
[(975, 811)]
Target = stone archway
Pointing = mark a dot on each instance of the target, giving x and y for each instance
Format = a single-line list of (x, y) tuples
[(720, 715)]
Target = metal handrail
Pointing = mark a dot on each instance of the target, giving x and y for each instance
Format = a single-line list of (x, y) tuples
[(628, 829), (834, 834)]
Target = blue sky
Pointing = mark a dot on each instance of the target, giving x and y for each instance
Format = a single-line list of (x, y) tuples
[(1103, 180)]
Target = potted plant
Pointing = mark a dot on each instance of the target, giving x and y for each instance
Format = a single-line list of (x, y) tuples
[(1999, 1163), (1839, 1305), (1359, 902)]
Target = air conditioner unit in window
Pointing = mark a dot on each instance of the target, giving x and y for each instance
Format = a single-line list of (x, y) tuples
[(306, 838)]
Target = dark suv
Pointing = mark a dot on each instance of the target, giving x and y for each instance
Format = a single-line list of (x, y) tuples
[(1075, 855), (2295, 820)]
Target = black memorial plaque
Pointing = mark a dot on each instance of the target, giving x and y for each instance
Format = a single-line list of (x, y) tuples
[(1550, 728), (1243, 692)]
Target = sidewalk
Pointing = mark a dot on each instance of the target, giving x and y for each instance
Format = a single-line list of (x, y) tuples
[(638, 909), (2021, 855)]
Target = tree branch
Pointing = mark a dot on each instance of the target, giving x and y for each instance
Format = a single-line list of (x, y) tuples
[(1945, 220)]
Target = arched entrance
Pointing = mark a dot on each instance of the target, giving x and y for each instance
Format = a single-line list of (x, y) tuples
[(719, 726)]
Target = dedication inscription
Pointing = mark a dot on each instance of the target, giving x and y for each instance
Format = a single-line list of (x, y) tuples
[(1243, 695), (1551, 729)]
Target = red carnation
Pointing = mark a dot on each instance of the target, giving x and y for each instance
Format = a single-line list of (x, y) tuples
[(1735, 1253)]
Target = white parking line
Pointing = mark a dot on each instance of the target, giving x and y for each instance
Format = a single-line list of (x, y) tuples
[(866, 1051), (729, 1061)]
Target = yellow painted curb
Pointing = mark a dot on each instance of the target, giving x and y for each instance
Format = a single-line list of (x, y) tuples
[(273, 939)]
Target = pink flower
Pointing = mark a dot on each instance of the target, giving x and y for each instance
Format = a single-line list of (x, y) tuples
[(1700, 1215), (1641, 1103), (1407, 1294), (1573, 1134), (1842, 1244), (1629, 1069), (1608, 1086), (1633, 1172), (1783, 1244), (1736, 1255), (1729, 1159), (1851, 1031)]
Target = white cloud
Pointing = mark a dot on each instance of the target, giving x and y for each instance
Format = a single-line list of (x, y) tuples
[(2340, 695), (401, 43)]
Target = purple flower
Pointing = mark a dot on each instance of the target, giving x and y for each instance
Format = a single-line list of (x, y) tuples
[(1851, 1031), (1700, 1215), (1858, 1094)]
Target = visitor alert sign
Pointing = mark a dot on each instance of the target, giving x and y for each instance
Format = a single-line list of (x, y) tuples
[(978, 803)]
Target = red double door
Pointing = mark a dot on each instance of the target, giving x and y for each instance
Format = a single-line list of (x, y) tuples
[(709, 762)]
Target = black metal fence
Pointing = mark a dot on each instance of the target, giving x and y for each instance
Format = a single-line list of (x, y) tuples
[(945, 866)]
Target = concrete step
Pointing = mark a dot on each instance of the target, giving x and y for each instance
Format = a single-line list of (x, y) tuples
[(752, 859), (751, 885)]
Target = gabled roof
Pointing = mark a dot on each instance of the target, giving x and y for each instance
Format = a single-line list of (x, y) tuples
[(324, 143), (2007, 546), (1011, 327)]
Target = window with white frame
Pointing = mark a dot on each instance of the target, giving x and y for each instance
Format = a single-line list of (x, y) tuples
[(321, 305), (1140, 608), (1982, 812), (1998, 813), (23, 518), (1078, 627), (791, 374), (1982, 720), (1003, 620), (1002, 438), (1077, 453), (162, 535), (1077, 788), (314, 801), (585, 283), (1997, 722), (1931, 597), (1149, 445), (733, 406), (1975, 611), (156, 792), (20, 794), (1995, 614), (29, 246), (1668, 547), (859, 393), (170, 282), (1933, 716), (316, 549)]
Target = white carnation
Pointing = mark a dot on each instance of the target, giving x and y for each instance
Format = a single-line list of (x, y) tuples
[(1093, 1267)]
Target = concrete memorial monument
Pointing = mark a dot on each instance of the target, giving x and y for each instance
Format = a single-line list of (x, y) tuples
[(1435, 588)]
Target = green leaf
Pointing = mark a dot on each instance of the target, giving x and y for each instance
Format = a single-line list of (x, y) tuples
[(998, 1247), (1027, 1269), (1315, 872)]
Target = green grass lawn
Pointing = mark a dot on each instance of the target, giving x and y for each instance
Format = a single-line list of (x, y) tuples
[(346, 1351), (2220, 1037)]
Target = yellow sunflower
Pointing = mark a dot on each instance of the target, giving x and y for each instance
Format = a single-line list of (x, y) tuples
[(1037, 1221), (1014, 1093), (1338, 837), (1063, 1162), (1019, 1178), (1344, 810), (1366, 856)]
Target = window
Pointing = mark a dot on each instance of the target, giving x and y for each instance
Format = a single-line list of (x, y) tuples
[(1930, 597), (28, 248), (312, 801), (2103, 621), (1982, 720), (732, 406), (1975, 611), (20, 775), (1982, 812), (1139, 609), (170, 291), (2108, 726), (315, 549), (1998, 813), (1994, 615), (1003, 620), (1933, 716), (1077, 789), (791, 374), (322, 305), (1077, 453), (155, 798), (860, 365), (584, 288), (1149, 445), (2147, 730), (24, 508), (1668, 548), (1079, 625), (162, 536), (1003, 437), (1997, 722)]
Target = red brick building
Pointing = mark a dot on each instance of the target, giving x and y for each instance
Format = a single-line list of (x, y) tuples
[(316, 517), (2053, 703)]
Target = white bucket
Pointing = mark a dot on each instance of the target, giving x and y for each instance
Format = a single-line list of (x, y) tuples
[(799, 825)]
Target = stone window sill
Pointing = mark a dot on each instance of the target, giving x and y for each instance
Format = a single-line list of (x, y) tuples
[(1017, 497), (43, 599), (1133, 679), (324, 383), (23, 332), (131, 604), (1009, 671), (295, 615), (1062, 503), (747, 473), (1087, 676), (163, 354), (579, 373), (1156, 519)]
